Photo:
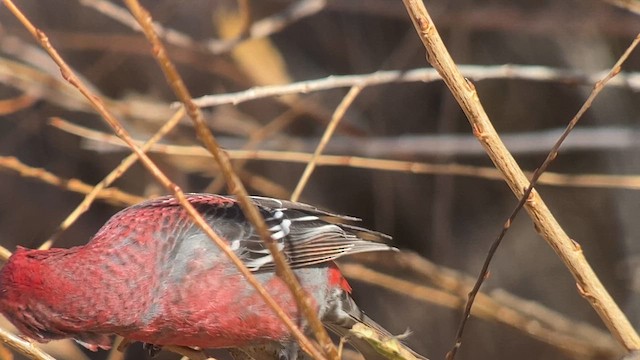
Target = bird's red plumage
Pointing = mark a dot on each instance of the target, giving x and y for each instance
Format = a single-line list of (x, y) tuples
[(151, 275)]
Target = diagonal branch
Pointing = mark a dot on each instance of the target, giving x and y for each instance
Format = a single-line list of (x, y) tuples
[(569, 251), (125, 164), (98, 105), (303, 300), (338, 114)]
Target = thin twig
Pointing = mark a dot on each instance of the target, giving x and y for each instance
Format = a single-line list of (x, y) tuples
[(111, 195), (98, 105), (259, 29), (458, 283), (4, 253), (631, 182), (255, 138), (338, 114), (630, 5), (122, 16), (269, 25), (23, 346), (9, 106), (474, 72), (188, 352), (283, 270), (124, 165), (490, 308), (525, 143), (54, 90), (569, 251), (622, 329)]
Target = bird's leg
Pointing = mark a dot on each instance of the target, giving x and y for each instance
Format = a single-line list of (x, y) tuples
[(238, 354), (151, 349)]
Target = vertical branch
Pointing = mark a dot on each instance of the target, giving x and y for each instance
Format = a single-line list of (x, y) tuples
[(569, 251), (304, 302)]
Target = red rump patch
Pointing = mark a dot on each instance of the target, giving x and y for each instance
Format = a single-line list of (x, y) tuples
[(336, 278)]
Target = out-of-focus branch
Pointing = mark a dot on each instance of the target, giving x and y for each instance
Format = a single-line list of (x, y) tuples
[(630, 5), (8, 106), (473, 72), (508, 17), (4, 253), (124, 165), (259, 29), (575, 338), (532, 314), (459, 145), (109, 195), (328, 132), (122, 16), (548, 178), (269, 25), (43, 85)]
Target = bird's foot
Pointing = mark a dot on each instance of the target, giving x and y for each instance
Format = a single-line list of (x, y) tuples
[(151, 349)]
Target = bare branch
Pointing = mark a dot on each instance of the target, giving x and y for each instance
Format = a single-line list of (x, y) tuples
[(250, 210), (576, 338), (110, 195), (473, 72), (328, 132), (99, 106), (569, 251), (631, 182), (125, 164), (23, 346)]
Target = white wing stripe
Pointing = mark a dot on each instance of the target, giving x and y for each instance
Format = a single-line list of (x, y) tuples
[(306, 218)]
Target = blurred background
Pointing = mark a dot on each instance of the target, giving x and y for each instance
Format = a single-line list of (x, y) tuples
[(557, 50)]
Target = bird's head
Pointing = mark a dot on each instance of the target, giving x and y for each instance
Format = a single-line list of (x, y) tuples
[(22, 290)]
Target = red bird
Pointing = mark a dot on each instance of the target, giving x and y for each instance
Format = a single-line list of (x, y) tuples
[(151, 275)]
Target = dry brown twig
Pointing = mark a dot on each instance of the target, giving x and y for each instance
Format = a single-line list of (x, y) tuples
[(630, 5), (8, 106), (569, 251), (256, 137), (258, 29), (605, 305), (304, 303), (98, 105), (121, 15), (111, 195), (23, 346), (124, 165), (631, 182), (54, 90), (529, 316), (475, 72), (4, 253), (338, 114), (490, 308)]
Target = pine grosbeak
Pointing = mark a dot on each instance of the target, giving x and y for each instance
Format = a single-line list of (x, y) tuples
[(151, 275)]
